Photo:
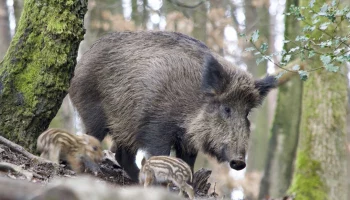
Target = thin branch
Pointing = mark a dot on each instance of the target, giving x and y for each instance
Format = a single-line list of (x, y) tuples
[(269, 59), (332, 37), (287, 76)]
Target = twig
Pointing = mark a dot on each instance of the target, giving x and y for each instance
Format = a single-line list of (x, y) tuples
[(108, 155), (15, 147), (289, 74)]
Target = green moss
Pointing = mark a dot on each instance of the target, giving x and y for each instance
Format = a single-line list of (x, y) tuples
[(37, 68), (307, 183)]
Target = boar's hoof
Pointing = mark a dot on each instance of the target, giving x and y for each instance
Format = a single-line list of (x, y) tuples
[(237, 164)]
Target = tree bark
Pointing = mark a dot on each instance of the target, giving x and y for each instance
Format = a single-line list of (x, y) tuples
[(260, 126), (5, 35), (285, 129), (35, 73), (320, 171), (200, 23)]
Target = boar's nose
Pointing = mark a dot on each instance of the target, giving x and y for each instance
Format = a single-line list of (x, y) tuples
[(237, 164)]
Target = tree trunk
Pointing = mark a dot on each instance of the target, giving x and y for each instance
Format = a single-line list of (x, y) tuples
[(5, 35), (200, 23), (38, 66), (285, 129), (200, 32), (18, 8), (320, 171), (259, 119)]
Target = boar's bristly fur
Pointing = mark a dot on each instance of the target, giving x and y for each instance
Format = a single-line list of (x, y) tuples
[(154, 90)]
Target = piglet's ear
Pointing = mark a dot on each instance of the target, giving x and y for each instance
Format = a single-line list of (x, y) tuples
[(215, 78), (265, 85)]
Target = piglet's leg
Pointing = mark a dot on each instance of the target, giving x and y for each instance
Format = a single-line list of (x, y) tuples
[(189, 190), (54, 153), (75, 163), (148, 179)]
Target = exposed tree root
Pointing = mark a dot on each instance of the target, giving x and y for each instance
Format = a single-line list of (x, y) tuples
[(21, 150)]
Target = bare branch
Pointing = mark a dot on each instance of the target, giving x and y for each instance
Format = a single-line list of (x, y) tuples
[(290, 73)]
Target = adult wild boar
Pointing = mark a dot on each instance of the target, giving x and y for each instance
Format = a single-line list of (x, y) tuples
[(155, 90)]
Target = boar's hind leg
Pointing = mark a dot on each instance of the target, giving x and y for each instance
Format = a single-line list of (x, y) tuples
[(94, 120), (126, 159)]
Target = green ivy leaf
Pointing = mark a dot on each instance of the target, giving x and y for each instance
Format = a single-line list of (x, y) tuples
[(341, 59), (311, 54), (315, 21), (287, 58), (242, 35), (324, 25), (255, 36), (301, 38), (296, 67), (257, 53), (264, 47), (259, 60), (323, 11), (325, 59), (334, 3), (304, 75), (331, 68), (327, 43), (347, 15), (249, 49), (311, 4), (294, 49)]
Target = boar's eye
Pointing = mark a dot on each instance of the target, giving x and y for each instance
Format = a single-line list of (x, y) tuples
[(226, 111), (95, 148)]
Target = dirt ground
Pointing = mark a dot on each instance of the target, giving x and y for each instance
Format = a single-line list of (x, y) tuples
[(16, 165), (42, 173)]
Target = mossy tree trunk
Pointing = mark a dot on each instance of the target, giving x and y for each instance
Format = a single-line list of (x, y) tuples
[(320, 171), (38, 66), (285, 129)]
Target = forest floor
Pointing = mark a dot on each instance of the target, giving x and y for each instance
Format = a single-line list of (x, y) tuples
[(24, 175), (18, 166)]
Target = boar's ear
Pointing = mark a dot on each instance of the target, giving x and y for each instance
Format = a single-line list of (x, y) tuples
[(215, 78), (264, 85), (143, 161)]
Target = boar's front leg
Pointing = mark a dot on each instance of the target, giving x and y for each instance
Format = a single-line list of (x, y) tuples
[(126, 159), (182, 153)]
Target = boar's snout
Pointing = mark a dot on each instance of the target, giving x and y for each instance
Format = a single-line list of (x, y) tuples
[(237, 164)]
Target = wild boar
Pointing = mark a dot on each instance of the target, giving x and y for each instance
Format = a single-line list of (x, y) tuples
[(152, 90), (80, 151), (166, 169)]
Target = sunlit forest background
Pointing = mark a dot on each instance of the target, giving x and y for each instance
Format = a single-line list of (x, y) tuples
[(218, 23)]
